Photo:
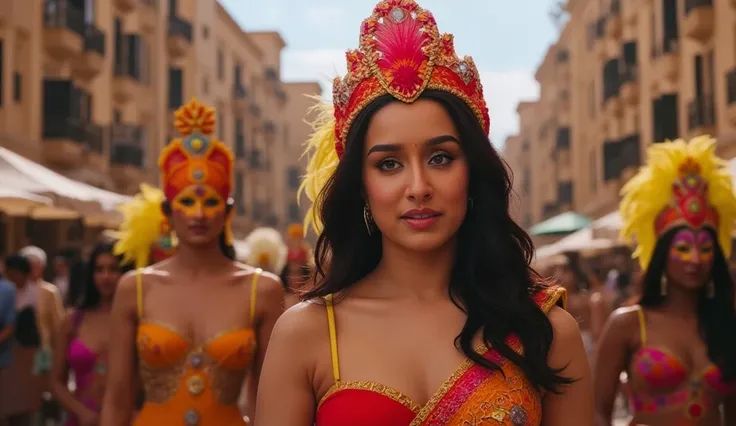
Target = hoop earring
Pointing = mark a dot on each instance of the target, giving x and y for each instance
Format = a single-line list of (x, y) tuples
[(368, 219), (663, 286), (710, 290), (470, 202)]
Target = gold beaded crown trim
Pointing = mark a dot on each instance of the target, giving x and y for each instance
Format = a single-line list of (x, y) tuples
[(682, 184), (401, 53)]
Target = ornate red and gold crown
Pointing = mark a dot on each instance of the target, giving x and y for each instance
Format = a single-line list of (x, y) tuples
[(402, 53), (197, 157), (689, 206)]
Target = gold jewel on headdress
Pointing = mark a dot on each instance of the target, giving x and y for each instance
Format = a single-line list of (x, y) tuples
[(401, 53), (682, 184), (197, 157), (143, 231)]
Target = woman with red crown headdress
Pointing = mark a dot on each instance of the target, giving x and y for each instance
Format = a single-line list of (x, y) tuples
[(677, 344), (196, 324), (423, 308)]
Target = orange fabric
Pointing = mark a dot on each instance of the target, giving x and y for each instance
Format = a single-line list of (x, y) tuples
[(472, 395), (184, 381)]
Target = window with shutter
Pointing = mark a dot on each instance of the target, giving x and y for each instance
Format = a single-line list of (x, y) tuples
[(176, 87)]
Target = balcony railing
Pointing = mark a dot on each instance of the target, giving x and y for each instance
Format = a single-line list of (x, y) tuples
[(59, 127), (611, 79), (629, 74), (126, 142), (95, 136), (619, 155), (271, 73), (240, 151), (94, 40), (239, 91), (690, 5), (701, 112), (256, 159), (731, 87), (564, 193), (180, 27), (667, 47), (563, 139), (63, 14)]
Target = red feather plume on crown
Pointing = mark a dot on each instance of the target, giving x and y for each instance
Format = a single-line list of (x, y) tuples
[(197, 157), (402, 53)]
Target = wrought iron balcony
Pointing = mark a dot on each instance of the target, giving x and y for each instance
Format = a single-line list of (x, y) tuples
[(699, 19), (179, 36)]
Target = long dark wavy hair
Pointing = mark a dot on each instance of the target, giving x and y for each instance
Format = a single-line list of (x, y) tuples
[(83, 273), (492, 281), (716, 315)]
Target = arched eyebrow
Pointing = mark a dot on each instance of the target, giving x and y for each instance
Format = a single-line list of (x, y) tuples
[(392, 147)]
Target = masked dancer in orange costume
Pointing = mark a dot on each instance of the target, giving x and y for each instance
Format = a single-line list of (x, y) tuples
[(196, 323), (677, 344), (424, 310)]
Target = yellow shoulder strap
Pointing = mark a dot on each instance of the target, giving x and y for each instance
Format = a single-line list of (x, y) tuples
[(333, 337), (642, 326), (139, 292), (253, 293)]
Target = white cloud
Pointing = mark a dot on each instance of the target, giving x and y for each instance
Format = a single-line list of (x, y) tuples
[(503, 90)]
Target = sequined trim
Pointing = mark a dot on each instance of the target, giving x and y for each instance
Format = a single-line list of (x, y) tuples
[(372, 387)]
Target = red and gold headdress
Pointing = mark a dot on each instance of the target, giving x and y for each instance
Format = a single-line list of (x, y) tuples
[(298, 249), (401, 53), (197, 157), (683, 184)]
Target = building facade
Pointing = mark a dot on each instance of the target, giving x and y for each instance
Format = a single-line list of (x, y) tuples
[(622, 75), (89, 87)]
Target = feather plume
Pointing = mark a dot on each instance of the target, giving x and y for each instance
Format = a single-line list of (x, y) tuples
[(266, 250), (141, 227), (322, 162)]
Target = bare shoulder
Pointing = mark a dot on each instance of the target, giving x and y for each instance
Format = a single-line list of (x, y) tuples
[(268, 285), (49, 289), (126, 292), (564, 326), (302, 326), (625, 317)]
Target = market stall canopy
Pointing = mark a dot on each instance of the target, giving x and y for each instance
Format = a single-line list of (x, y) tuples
[(580, 241), (564, 223), (16, 202), (22, 174)]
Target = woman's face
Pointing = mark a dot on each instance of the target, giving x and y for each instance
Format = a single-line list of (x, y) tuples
[(106, 274), (690, 258), (415, 175), (198, 215)]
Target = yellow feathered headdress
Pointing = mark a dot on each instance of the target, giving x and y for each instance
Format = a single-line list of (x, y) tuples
[(143, 227), (266, 250), (682, 184)]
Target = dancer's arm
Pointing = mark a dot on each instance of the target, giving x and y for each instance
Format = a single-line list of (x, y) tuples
[(567, 353), (270, 306), (121, 384)]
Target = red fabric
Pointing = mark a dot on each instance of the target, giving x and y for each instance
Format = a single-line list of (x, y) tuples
[(357, 407)]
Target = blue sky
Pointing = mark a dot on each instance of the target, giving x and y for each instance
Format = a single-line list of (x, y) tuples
[(507, 39)]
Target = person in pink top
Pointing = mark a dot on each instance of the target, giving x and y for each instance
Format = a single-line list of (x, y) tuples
[(80, 346)]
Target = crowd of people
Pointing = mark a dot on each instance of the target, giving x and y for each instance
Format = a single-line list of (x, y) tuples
[(418, 305)]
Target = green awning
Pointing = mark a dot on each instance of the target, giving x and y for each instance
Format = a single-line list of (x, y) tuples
[(563, 223)]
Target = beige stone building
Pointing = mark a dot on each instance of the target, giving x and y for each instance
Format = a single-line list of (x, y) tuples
[(88, 88), (623, 74)]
